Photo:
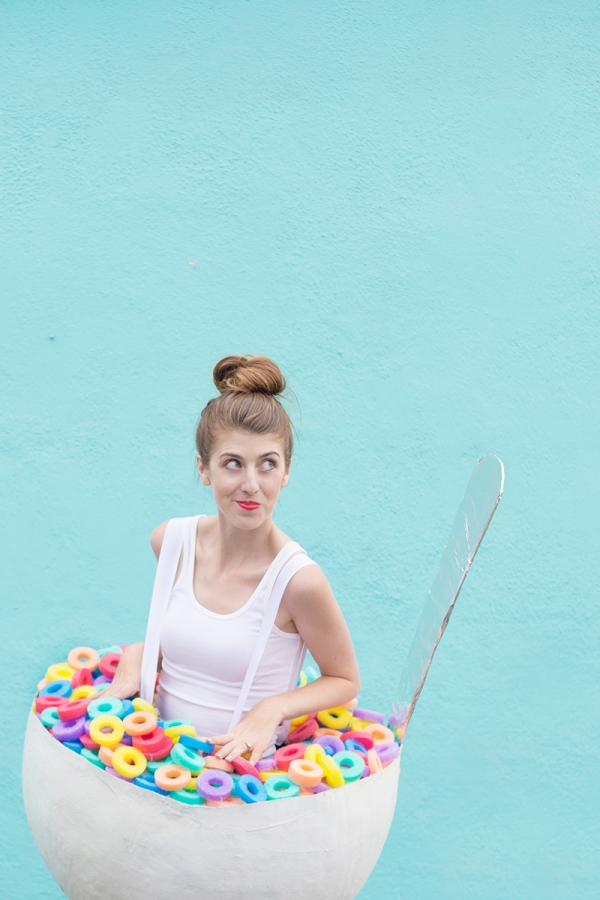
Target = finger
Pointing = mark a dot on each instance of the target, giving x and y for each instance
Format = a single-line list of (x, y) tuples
[(256, 755), (232, 749), (221, 739)]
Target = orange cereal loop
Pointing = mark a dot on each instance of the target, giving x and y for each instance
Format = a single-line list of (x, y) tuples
[(332, 731), (380, 733), (83, 658), (172, 777), (137, 723), (305, 773), (374, 762), (105, 754), (214, 762), (231, 801)]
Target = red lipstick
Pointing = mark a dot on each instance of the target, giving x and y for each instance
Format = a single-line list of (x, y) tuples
[(247, 504)]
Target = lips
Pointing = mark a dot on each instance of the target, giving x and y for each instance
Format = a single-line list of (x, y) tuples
[(247, 504)]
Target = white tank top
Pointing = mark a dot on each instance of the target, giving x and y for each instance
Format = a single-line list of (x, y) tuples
[(206, 654)]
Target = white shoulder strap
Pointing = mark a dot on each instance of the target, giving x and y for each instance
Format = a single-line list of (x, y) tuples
[(161, 593), (293, 559)]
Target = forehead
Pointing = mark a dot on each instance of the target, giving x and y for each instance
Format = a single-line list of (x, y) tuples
[(246, 444)]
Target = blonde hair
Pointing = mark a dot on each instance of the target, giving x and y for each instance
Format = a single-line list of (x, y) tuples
[(248, 389)]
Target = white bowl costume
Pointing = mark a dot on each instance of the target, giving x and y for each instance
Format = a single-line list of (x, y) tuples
[(103, 839)]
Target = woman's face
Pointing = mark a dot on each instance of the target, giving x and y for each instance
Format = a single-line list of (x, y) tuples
[(246, 472)]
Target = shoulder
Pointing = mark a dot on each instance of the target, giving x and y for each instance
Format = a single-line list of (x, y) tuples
[(157, 537), (308, 585)]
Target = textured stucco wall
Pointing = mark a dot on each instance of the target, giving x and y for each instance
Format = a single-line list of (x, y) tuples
[(399, 202)]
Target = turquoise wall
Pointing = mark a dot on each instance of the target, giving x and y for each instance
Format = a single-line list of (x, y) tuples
[(399, 203)]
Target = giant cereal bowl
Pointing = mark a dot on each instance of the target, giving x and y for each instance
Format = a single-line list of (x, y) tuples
[(103, 839)]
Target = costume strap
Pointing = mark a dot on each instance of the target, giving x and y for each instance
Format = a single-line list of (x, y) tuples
[(166, 569), (293, 558)]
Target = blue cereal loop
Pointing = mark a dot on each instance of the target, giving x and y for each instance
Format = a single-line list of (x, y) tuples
[(251, 789), (196, 744), (59, 688)]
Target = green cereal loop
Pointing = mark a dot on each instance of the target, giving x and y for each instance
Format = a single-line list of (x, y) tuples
[(105, 706), (155, 764), (189, 797), (106, 650), (92, 756), (280, 787), (350, 764), (188, 758), (49, 717)]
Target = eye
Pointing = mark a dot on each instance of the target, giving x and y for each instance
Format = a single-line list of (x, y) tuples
[(232, 464), (269, 464)]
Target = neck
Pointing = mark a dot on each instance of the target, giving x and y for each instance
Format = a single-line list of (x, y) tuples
[(234, 545)]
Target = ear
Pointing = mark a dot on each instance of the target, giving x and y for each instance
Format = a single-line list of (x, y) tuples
[(286, 477), (203, 471)]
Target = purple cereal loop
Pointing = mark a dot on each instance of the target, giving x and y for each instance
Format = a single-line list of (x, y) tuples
[(213, 784), (69, 731), (399, 717), (126, 739), (110, 771), (366, 772), (265, 765), (368, 715), (388, 752), (102, 679), (329, 742), (319, 788)]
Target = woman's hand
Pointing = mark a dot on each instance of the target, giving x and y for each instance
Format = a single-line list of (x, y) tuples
[(126, 682), (254, 732)]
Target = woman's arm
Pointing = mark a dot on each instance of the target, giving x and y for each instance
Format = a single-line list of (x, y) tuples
[(319, 621), (126, 682)]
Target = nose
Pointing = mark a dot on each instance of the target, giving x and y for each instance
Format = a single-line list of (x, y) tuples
[(250, 482)]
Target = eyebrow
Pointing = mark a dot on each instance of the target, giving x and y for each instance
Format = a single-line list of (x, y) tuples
[(237, 456)]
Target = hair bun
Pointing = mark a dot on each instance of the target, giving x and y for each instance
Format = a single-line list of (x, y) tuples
[(248, 375)]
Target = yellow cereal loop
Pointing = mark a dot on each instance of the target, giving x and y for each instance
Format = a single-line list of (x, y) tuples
[(337, 717), (299, 721), (265, 775), (303, 679), (60, 670), (128, 761), (143, 706), (315, 753), (192, 785), (333, 773), (175, 731), (106, 730), (84, 690), (358, 724)]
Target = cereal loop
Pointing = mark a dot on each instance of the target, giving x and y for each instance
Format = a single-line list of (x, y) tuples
[(106, 730), (83, 658)]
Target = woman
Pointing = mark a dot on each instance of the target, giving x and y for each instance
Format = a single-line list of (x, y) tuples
[(230, 566)]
